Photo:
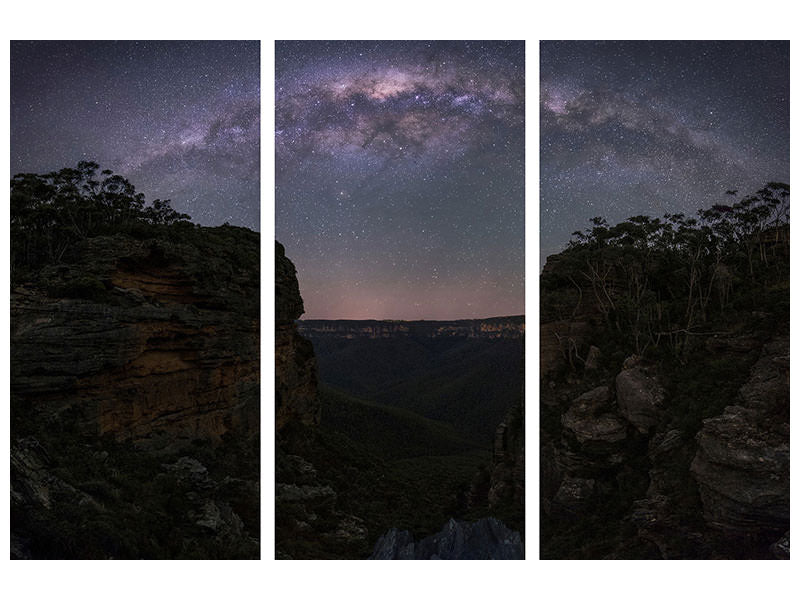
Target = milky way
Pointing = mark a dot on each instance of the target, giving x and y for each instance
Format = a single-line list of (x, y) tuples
[(180, 120), (633, 128), (400, 177)]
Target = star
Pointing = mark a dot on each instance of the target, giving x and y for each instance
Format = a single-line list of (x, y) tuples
[(179, 120), (417, 136)]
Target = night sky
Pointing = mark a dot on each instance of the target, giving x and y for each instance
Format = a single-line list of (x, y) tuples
[(630, 128), (400, 177), (180, 120)]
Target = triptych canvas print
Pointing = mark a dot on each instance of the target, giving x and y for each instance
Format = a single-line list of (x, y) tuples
[(659, 424)]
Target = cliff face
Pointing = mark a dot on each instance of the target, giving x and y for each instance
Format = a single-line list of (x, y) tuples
[(306, 504), (684, 448), (135, 399), (493, 328), (507, 479), (145, 340), (295, 366), (742, 460)]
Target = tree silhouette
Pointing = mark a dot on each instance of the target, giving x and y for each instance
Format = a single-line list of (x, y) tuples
[(50, 212), (657, 281)]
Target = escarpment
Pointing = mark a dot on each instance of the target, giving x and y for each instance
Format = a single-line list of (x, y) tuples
[(295, 366), (307, 512), (146, 340), (135, 398), (664, 418)]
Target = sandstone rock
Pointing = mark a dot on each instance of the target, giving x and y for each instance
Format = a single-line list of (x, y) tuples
[(742, 461), (601, 428), (586, 420), (555, 340), (592, 437), (316, 495), (485, 539), (640, 398), (743, 473), (574, 494), (507, 479), (394, 545), (168, 353), (780, 549), (288, 302), (296, 398), (666, 450), (350, 531), (33, 483)]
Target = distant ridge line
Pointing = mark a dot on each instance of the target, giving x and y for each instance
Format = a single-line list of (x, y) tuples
[(508, 317), (494, 327)]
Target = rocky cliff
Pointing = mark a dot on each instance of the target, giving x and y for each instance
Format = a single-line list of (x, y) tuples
[(137, 351), (486, 539), (681, 452), (742, 461), (146, 340), (307, 515), (295, 365)]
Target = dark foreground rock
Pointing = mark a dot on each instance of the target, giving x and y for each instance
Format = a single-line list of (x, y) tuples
[(458, 540), (135, 398), (296, 400), (742, 461)]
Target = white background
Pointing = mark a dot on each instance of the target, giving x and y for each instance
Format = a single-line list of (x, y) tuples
[(379, 19)]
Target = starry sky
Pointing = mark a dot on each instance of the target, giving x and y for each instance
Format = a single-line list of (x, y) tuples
[(630, 128), (400, 177), (180, 120)]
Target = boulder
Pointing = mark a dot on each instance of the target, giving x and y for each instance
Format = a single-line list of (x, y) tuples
[(588, 422), (742, 460), (459, 540), (640, 398)]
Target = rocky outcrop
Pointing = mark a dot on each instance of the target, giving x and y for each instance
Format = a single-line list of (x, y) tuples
[(593, 435), (146, 340), (485, 539), (558, 343), (507, 479), (305, 504), (295, 365), (742, 461), (640, 397), (134, 375), (590, 420)]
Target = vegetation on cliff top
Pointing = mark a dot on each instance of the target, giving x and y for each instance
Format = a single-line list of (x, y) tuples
[(660, 283), (51, 212)]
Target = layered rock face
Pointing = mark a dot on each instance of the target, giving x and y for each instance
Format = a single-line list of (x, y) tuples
[(135, 399), (507, 479), (486, 539), (619, 450), (145, 340), (295, 365), (742, 460), (640, 398), (306, 505)]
